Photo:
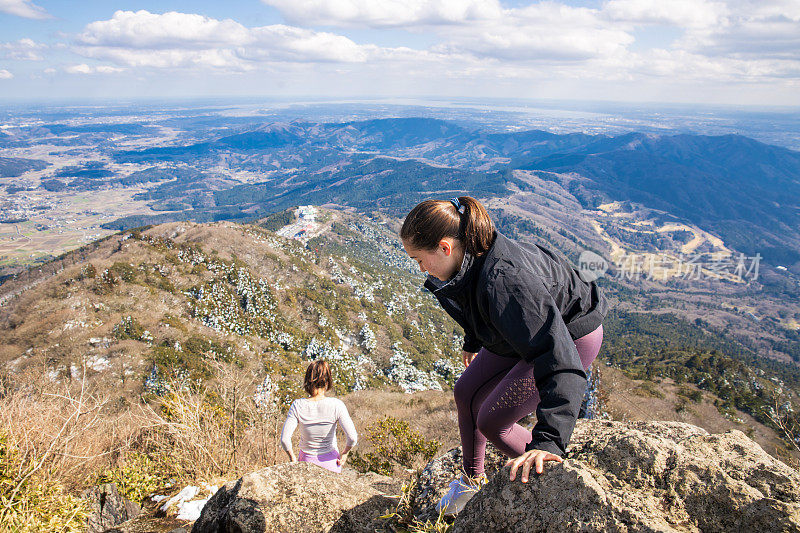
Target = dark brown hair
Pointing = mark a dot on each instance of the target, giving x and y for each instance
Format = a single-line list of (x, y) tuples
[(318, 376), (432, 220)]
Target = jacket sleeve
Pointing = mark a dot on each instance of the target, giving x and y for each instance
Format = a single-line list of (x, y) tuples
[(471, 344), (527, 317)]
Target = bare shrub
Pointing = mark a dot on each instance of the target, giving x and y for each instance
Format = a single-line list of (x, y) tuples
[(207, 431), (57, 439), (48, 439), (785, 419)]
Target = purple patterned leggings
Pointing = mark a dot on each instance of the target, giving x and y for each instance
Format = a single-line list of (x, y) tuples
[(490, 401)]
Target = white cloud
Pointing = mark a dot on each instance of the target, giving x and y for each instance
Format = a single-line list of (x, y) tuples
[(386, 13), (145, 30), (83, 68), (745, 41), (166, 58), (24, 49), (183, 40), (78, 69), (552, 32), (763, 30), (5, 75), (23, 8), (287, 43), (682, 13), (543, 32), (789, 9)]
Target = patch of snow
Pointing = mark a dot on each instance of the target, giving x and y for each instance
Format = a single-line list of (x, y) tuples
[(74, 324), (186, 494), (264, 396), (15, 363), (189, 508), (54, 374), (98, 363), (404, 372)]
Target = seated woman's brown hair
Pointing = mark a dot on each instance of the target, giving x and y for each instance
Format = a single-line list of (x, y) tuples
[(318, 376)]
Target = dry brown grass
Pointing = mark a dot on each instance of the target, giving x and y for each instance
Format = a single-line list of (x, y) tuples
[(78, 434), (74, 435), (60, 430), (48, 439), (213, 431)]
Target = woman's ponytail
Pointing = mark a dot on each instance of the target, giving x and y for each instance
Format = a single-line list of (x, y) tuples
[(463, 218), (478, 229)]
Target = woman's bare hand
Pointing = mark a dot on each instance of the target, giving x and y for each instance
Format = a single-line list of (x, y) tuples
[(467, 357), (529, 459)]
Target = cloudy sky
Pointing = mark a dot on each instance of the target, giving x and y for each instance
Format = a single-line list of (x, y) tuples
[(706, 51)]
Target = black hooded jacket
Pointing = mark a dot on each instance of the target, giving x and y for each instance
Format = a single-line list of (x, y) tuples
[(524, 301)]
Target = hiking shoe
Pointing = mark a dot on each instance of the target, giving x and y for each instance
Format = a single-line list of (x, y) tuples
[(461, 490)]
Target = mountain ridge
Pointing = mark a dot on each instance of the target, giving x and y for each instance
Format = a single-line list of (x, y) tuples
[(713, 181)]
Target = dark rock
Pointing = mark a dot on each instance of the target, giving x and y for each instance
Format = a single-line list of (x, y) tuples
[(151, 520), (109, 507)]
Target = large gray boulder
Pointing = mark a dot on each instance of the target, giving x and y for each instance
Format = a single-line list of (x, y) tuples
[(644, 476), (299, 497)]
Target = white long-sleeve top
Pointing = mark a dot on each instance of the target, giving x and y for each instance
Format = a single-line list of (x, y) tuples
[(317, 420)]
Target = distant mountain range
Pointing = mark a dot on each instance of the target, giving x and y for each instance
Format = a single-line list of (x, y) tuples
[(745, 191)]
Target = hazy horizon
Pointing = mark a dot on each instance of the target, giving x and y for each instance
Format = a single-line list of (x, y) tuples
[(230, 99)]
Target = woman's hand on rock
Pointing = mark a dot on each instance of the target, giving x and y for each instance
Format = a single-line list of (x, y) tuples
[(467, 357), (529, 459)]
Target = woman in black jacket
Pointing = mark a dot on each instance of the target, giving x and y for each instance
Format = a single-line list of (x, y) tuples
[(532, 326)]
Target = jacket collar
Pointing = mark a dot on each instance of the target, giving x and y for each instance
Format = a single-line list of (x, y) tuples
[(470, 267)]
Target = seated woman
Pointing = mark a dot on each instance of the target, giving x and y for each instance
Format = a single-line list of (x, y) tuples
[(317, 416)]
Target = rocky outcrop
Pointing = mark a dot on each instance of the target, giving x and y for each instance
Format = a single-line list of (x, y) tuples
[(617, 477), (640, 476), (299, 497), (108, 507)]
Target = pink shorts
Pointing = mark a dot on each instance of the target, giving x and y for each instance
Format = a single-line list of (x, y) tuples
[(326, 460)]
